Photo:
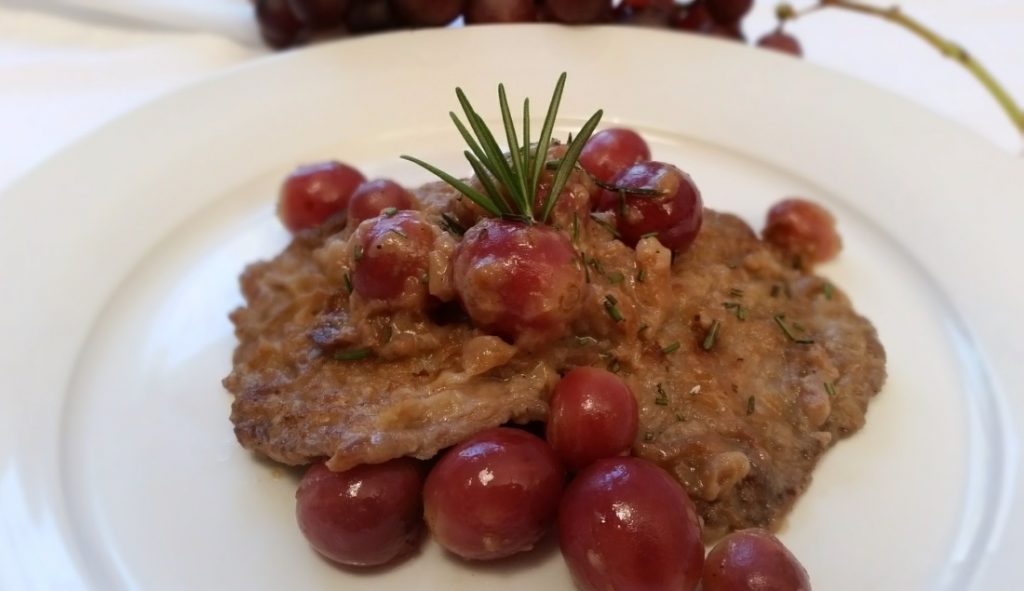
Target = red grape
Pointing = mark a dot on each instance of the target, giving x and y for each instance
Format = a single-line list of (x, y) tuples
[(320, 14), (390, 254), (611, 151), (314, 192), (578, 11), (694, 17), (624, 523), (593, 416), (493, 495), (781, 41), (373, 197), (519, 281), (365, 16), (804, 229), (733, 31), (728, 12), (675, 215), (280, 27), (500, 11), (753, 560), (428, 13), (365, 516)]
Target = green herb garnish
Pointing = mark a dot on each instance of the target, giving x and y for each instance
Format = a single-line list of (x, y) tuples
[(510, 181), (348, 282), (709, 338), (671, 348), (611, 306), (352, 354), (610, 228), (452, 225), (662, 398), (357, 252), (826, 290), (737, 309), (830, 388), (751, 405), (780, 320)]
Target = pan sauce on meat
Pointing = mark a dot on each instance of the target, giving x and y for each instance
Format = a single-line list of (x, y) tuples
[(745, 368)]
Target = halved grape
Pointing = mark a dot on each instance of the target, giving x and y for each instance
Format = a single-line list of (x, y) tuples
[(593, 415), (611, 151), (517, 280), (624, 523), (674, 214), (391, 255), (493, 495), (694, 17), (314, 192), (373, 197), (753, 560), (369, 515)]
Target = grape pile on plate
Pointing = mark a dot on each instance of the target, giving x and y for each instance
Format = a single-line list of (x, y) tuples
[(286, 23)]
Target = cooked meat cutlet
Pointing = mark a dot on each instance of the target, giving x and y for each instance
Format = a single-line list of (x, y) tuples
[(745, 368)]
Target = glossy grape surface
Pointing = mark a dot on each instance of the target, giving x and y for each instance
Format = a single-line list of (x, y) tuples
[(593, 415), (781, 41), (279, 25), (428, 13), (391, 255), (500, 11), (518, 281), (611, 151), (753, 560), (803, 229), (674, 215), (624, 523), (493, 495), (373, 197), (366, 516), (578, 11), (314, 192)]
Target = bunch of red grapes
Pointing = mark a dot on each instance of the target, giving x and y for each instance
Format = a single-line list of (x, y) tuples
[(285, 23)]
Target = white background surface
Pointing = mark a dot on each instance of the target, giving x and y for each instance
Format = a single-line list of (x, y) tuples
[(67, 66)]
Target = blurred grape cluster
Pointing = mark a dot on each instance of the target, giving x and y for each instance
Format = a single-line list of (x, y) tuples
[(286, 23)]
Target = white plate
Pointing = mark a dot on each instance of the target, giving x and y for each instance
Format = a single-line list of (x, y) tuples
[(118, 468)]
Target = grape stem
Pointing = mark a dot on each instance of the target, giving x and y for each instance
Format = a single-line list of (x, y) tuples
[(946, 47)]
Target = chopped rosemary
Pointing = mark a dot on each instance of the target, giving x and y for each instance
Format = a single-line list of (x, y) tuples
[(509, 181), (830, 387), (735, 292), (737, 309), (648, 436), (751, 405), (352, 354), (641, 275), (357, 252), (780, 320), (672, 348), (389, 332), (610, 228), (348, 282), (826, 290), (680, 417), (709, 338), (452, 225), (389, 211), (584, 341), (662, 398), (614, 365), (615, 277), (611, 306), (575, 228), (640, 331)]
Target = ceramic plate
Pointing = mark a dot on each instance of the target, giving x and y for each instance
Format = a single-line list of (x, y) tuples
[(120, 257)]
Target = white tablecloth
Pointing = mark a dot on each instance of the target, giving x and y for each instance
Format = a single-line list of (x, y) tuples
[(67, 66)]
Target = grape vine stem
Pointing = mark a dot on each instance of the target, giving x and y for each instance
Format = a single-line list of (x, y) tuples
[(946, 47)]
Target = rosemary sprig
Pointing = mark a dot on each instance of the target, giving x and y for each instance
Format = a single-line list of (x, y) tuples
[(780, 320), (352, 354), (510, 181)]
